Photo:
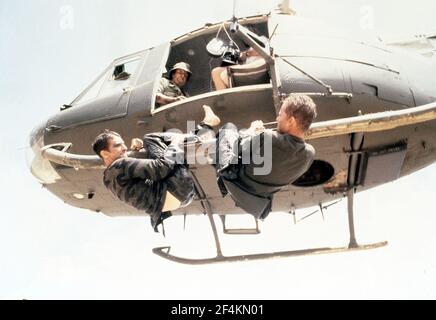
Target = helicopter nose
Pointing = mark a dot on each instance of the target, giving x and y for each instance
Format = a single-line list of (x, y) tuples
[(37, 135), (40, 167)]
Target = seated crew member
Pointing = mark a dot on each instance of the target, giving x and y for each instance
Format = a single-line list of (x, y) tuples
[(171, 90), (247, 59), (290, 156), (157, 184)]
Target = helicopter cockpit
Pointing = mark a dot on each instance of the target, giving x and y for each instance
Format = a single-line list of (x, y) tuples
[(208, 48), (129, 84), (214, 46)]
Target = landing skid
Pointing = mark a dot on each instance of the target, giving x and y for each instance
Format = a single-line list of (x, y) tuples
[(164, 252), (261, 256)]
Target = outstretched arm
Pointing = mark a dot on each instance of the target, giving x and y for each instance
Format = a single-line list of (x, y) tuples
[(163, 99), (256, 127), (153, 169)]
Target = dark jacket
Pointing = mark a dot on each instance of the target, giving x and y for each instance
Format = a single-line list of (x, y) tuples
[(143, 183), (287, 157)]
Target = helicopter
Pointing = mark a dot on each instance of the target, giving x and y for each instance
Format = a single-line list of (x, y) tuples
[(376, 118)]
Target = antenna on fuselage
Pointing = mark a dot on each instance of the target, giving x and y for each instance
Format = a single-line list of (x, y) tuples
[(234, 11)]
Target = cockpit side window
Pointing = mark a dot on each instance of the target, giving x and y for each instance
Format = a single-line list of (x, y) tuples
[(121, 76), (118, 76), (92, 92)]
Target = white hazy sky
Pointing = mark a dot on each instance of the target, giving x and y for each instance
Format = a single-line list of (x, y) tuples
[(50, 50)]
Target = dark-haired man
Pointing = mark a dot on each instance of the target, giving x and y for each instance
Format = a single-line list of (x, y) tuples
[(157, 184)]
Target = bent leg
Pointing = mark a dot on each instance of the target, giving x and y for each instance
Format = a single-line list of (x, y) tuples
[(181, 185), (227, 147), (225, 78), (217, 80)]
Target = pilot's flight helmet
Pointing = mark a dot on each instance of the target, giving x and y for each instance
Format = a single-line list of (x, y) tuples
[(183, 66)]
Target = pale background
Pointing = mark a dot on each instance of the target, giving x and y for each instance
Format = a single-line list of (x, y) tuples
[(50, 50)]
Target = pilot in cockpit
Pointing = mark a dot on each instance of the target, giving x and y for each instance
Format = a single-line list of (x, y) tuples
[(171, 90)]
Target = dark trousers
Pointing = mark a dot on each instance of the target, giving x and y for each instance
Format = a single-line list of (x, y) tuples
[(230, 175), (227, 151)]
